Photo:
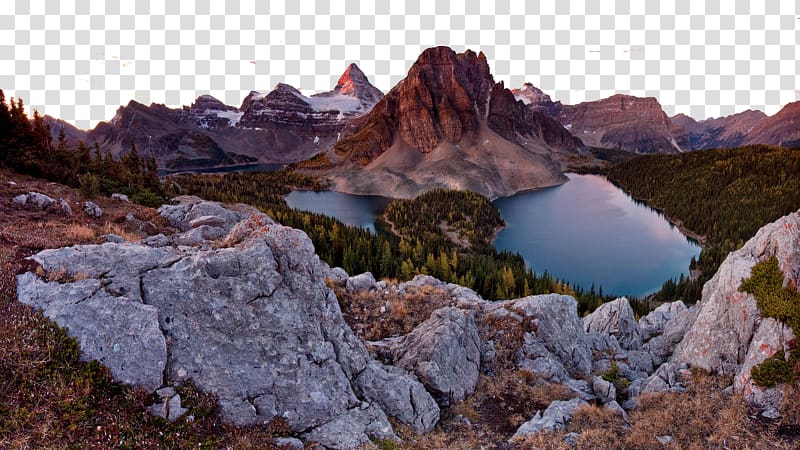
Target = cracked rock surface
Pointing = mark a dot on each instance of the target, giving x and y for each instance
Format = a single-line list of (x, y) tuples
[(247, 317)]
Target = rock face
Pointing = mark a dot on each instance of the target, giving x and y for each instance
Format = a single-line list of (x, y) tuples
[(729, 336), (722, 132), (444, 352), (617, 319), (208, 133), (629, 123), (447, 124), (249, 318), (781, 129)]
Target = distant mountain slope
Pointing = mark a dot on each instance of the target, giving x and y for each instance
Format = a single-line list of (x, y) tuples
[(447, 124), (723, 132), (279, 126), (781, 129)]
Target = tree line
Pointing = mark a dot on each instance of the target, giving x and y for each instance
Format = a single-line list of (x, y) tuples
[(725, 195), (26, 146)]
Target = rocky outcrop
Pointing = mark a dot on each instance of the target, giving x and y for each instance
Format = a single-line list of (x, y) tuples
[(656, 320), (444, 352), (554, 320), (556, 417), (729, 335), (249, 318), (617, 319)]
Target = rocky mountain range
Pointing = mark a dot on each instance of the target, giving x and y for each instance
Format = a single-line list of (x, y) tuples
[(241, 306), (447, 124), (640, 125), (280, 126)]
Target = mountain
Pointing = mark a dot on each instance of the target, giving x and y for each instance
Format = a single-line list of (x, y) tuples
[(449, 125), (634, 124), (781, 129), (279, 126), (722, 132)]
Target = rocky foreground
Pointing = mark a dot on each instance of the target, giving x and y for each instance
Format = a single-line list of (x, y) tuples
[(242, 307)]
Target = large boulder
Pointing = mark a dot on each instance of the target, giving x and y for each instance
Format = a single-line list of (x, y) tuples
[(617, 319), (249, 319), (553, 318), (444, 352), (556, 417), (729, 335), (35, 200)]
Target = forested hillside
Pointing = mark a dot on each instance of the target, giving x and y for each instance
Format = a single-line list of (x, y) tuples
[(26, 147), (422, 247), (725, 195)]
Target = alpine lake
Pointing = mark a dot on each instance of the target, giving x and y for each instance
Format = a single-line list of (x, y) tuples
[(586, 231)]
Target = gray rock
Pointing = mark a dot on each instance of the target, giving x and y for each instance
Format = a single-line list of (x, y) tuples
[(361, 283), (770, 337), (653, 323), (617, 319), (582, 388), (337, 275), (250, 320), (114, 239), (662, 346), (192, 212), (556, 417), (444, 352), (554, 319), (771, 413), (20, 199), (288, 442), (667, 378), (120, 197), (353, 429), (614, 407), (34, 200), (199, 235), (156, 241), (603, 343), (664, 440), (534, 357), (604, 390), (727, 334), (92, 210), (120, 332), (176, 411), (398, 395), (166, 392), (64, 206), (571, 439), (210, 221)]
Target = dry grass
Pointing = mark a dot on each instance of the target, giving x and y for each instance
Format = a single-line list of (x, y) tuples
[(375, 315), (79, 233), (119, 230), (701, 418)]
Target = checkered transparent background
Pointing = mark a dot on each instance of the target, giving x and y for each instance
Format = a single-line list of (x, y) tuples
[(79, 60)]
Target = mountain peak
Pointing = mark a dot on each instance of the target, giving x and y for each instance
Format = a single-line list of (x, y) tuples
[(353, 83)]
